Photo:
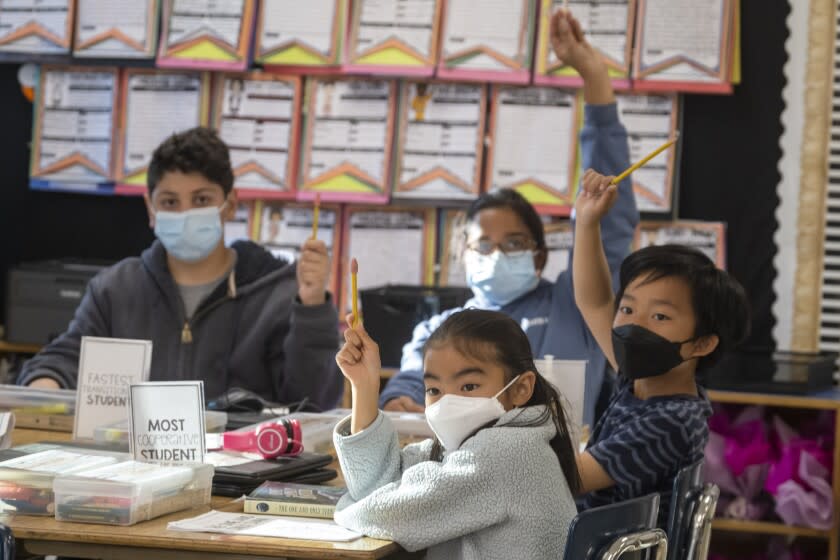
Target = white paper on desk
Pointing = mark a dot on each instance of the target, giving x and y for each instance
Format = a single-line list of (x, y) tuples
[(116, 28), (285, 23), (265, 526), (107, 368), (230, 458)]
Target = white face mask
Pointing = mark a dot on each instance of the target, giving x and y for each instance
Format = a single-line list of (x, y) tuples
[(454, 417)]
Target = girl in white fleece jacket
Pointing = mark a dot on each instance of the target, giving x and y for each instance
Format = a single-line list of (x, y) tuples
[(498, 480)]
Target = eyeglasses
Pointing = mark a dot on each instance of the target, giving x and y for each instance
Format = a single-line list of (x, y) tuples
[(510, 246)]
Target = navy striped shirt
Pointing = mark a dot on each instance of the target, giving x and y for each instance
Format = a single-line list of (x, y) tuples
[(642, 444)]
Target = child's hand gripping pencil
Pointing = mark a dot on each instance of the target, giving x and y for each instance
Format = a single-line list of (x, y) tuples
[(360, 363)]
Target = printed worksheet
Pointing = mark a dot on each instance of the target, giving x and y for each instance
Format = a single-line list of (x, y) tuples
[(157, 104), (349, 139), (488, 35), (42, 27), (608, 27), (392, 247), (650, 121), (75, 124), (295, 33), (534, 145), (441, 138), (116, 28), (400, 33), (684, 41), (207, 33), (256, 119)]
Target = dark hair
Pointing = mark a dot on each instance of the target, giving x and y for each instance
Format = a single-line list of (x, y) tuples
[(512, 200), (198, 150), (719, 302), (473, 332)]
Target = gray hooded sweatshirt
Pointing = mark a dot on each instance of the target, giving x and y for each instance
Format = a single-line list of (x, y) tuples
[(250, 332)]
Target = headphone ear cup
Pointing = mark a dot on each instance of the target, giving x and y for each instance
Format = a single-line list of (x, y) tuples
[(295, 434), (272, 441)]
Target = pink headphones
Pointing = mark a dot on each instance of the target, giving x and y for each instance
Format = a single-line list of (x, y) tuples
[(271, 440)]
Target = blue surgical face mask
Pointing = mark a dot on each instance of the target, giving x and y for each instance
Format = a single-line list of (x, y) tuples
[(498, 278), (190, 236)]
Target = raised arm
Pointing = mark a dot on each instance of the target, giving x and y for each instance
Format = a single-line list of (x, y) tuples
[(592, 283)]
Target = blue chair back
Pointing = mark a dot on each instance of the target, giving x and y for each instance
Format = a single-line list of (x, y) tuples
[(594, 531), (688, 486), (7, 548)]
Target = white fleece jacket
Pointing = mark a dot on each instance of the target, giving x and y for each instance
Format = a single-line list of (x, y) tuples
[(502, 494)]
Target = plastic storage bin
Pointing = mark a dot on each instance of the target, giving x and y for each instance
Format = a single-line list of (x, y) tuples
[(131, 492), (26, 482)]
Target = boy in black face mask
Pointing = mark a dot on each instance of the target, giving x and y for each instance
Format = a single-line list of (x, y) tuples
[(675, 313)]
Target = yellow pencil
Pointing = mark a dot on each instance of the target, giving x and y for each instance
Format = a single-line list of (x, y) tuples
[(315, 215), (354, 290), (646, 159)]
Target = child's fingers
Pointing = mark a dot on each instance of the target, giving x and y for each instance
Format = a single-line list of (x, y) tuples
[(349, 320), (352, 337), (576, 28)]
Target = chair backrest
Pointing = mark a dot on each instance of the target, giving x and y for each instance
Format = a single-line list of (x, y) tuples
[(688, 486), (7, 543), (638, 542), (701, 527), (594, 531)]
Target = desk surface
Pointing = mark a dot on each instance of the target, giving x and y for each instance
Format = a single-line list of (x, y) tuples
[(45, 535)]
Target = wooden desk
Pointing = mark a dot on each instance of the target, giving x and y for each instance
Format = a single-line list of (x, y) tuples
[(46, 536)]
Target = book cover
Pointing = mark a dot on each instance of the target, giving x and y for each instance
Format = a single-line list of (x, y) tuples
[(299, 500)]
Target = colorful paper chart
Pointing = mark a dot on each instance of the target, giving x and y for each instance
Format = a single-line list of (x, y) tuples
[(72, 132), (348, 140), (708, 237), (283, 227), (36, 27), (155, 104), (441, 141), (650, 121), (394, 37), (207, 34), (521, 158), (121, 29), (392, 245), (683, 45), (297, 37), (258, 117), (487, 40), (609, 28)]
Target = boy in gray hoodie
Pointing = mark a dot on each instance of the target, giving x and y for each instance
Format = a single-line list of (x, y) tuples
[(232, 317)]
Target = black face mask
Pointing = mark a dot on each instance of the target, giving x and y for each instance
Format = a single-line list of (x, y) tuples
[(641, 353)]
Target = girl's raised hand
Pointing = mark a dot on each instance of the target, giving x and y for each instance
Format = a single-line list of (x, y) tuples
[(359, 358)]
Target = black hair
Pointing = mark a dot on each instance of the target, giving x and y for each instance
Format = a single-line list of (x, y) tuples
[(472, 332), (719, 302), (512, 200), (198, 150)]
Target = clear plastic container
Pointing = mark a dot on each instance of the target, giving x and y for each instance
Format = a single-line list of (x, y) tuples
[(26, 482), (214, 422), (131, 492)]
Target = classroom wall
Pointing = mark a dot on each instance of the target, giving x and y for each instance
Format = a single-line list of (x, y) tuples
[(728, 173)]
